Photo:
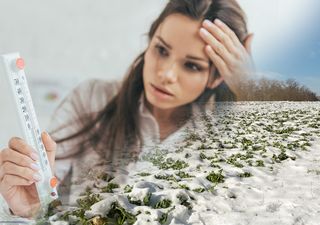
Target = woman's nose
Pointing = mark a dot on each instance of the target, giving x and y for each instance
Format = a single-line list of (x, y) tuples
[(169, 74)]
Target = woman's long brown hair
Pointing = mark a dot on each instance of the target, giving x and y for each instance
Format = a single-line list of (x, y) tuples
[(116, 127)]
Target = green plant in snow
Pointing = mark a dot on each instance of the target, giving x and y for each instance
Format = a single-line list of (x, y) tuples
[(156, 157), (216, 177), (145, 201), (193, 137), (184, 201), (97, 220), (203, 146), (246, 142), (281, 157), (199, 190), (165, 177), (182, 174), (120, 216), (245, 174), (233, 159), (202, 156), (288, 130), (87, 191), (183, 186), (260, 163), (173, 164), (86, 202), (105, 176), (109, 188), (144, 174), (317, 172), (165, 203), (163, 218), (127, 188), (214, 165)]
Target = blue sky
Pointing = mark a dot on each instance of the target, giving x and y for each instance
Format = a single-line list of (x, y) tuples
[(287, 39)]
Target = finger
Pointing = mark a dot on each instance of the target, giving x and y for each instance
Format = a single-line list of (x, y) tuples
[(50, 147), (217, 61), (24, 172), (48, 142), (21, 146), (11, 180), (9, 155), (216, 45), (229, 32), (221, 36)]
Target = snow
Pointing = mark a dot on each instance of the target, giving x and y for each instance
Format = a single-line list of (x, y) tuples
[(266, 163), (277, 192)]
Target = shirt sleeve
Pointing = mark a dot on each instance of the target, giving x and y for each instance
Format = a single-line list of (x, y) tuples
[(89, 97)]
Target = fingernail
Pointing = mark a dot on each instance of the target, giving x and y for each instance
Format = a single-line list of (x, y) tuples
[(34, 156), (209, 48), (35, 166), (204, 31), (45, 133), (37, 176), (207, 23), (218, 22)]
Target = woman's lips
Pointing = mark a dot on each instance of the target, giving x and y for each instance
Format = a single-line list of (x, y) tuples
[(161, 90)]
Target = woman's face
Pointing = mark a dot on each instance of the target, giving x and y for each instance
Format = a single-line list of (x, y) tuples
[(176, 68)]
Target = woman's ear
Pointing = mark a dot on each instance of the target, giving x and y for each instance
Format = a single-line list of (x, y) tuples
[(215, 82), (247, 42)]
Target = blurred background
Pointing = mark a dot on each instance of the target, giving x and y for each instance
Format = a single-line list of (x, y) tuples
[(64, 42)]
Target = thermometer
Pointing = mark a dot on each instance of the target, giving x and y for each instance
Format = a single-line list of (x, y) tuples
[(17, 93)]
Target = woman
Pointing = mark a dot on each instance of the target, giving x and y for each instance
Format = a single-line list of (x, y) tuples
[(197, 49)]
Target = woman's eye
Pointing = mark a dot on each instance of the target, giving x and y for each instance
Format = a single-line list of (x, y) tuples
[(161, 50), (193, 67)]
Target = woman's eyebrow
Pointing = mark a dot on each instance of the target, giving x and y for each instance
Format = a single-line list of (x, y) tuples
[(188, 56), (163, 42), (198, 58)]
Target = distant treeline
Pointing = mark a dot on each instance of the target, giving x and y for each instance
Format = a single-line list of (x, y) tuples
[(274, 90)]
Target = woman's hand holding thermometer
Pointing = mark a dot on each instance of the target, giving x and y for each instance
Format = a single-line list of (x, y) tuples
[(19, 172)]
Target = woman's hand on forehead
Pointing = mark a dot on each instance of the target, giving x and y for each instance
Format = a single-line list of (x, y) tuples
[(230, 57)]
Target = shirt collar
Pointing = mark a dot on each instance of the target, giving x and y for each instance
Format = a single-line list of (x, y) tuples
[(143, 110), (149, 118)]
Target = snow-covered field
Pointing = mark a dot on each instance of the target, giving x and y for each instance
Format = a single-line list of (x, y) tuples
[(252, 163)]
